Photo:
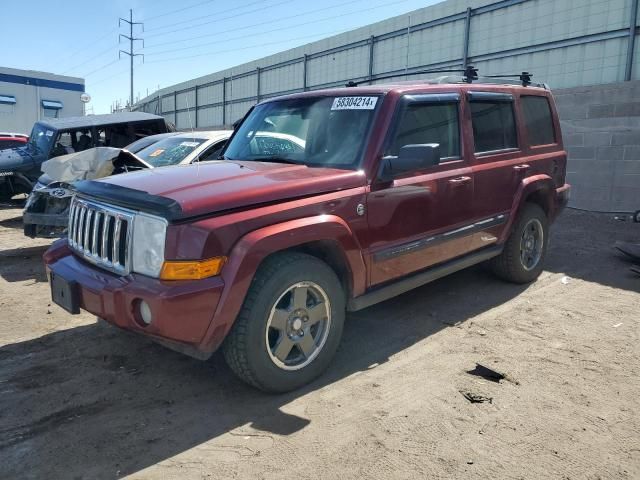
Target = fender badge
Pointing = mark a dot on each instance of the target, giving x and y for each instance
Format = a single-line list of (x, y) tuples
[(360, 209)]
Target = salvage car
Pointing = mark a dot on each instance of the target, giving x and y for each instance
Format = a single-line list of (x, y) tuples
[(20, 167), (263, 254), (46, 213)]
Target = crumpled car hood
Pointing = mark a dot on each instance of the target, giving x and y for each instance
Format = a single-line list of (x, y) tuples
[(89, 164)]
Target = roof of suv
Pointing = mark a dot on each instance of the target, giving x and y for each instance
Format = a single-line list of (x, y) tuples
[(421, 86)]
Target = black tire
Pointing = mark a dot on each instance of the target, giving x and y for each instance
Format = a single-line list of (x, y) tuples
[(247, 348), (509, 265)]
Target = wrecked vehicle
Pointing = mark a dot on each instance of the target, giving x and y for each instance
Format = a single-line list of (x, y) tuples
[(392, 186), (46, 213), (20, 167)]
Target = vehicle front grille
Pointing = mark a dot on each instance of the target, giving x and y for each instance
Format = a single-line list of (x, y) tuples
[(101, 234)]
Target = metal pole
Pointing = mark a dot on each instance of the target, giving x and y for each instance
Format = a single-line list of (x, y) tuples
[(406, 64), (304, 73), (372, 40), (175, 108), (258, 85), (195, 107), (465, 47), (632, 41), (224, 101)]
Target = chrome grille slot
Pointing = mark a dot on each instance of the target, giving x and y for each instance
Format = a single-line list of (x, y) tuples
[(101, 234)]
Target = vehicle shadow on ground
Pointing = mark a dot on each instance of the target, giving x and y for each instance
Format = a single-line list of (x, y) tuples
[(588, 254), (28, 267), (15, 222), (131, 404)]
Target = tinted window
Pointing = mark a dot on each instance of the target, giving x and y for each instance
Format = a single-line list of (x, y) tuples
[(494, 127), (537, 118), (317, 131), (429, 123)]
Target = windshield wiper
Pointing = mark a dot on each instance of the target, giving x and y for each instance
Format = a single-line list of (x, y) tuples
[(276, 159)]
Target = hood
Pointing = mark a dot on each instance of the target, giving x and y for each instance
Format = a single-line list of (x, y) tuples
[(15, 159), (211, 187)]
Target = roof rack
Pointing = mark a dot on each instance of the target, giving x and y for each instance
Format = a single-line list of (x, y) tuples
[(469, 75)]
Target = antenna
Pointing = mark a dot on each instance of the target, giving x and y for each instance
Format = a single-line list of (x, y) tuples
[(130, 52)]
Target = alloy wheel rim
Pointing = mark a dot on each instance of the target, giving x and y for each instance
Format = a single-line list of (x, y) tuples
[(298, 326), (531, 244)]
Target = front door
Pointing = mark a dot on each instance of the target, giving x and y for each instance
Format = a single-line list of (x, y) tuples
[(419, 219)]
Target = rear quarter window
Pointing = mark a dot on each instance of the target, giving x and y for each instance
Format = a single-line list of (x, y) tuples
[(538, 120)]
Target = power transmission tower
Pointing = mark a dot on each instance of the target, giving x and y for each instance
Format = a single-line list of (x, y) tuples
[(130, 52)]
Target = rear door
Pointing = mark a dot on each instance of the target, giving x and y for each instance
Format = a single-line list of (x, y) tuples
[(415, 220), (498, 160)]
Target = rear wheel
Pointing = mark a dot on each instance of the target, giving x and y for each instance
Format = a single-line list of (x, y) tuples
[(522, 259), (290, 324)]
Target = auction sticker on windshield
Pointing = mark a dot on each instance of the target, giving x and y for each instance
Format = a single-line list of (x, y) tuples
[(354, 103)]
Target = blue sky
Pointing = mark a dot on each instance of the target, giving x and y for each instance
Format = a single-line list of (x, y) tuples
[(183, 40)]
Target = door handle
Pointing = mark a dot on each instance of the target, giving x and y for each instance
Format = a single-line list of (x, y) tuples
[(522, 168), (456, 182)]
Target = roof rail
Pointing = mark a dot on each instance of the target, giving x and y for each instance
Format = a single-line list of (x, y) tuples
[(469, 75)]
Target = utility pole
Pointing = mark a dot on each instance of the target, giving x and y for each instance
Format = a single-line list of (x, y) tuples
[(131, 39)]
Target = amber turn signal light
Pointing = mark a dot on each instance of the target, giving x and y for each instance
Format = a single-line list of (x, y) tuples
[(191, 270)]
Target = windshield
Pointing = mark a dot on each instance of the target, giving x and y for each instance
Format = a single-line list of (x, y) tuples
[(169, 151), (315, 131), (41, 138)]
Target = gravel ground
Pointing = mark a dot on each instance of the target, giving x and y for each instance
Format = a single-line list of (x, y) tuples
[(84, 400)]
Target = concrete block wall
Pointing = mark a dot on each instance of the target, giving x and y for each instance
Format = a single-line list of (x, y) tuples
[(601, 133)]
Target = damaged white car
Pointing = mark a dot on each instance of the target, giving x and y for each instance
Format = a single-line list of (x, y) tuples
[(46, 213)]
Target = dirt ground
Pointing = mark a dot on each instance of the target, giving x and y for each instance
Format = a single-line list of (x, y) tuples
[(81, 400)]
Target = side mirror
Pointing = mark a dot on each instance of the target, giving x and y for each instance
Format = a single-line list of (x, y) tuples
[(410, 158), (237, 123)]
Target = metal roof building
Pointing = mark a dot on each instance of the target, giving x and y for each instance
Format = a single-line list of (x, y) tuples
[(27, 96)]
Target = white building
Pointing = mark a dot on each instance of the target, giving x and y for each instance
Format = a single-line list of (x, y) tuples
[(26, 96)]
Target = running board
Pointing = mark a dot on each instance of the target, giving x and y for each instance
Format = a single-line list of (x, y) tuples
[(380, 294)]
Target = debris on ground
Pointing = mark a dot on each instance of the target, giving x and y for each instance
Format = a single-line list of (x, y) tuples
[(476, 397), (565, 280), (486, 373)]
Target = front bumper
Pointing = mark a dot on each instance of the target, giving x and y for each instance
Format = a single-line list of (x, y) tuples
[(182, 310)]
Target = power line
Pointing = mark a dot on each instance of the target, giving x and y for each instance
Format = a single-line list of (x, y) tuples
[(100, 68), (85, 47), (216, 20), (98, 55), (177, 10), (216, 14), (248, 47), (279, 28), (218, 32)]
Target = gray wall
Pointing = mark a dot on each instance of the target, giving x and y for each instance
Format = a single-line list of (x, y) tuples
[(29, 89), (601, 131)]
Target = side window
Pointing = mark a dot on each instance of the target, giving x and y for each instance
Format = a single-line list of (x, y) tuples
[(429, 123), (213, 152), (494, 126), (64, 144), (537, 119)]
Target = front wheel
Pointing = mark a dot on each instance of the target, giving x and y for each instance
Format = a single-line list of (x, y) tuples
[(290, 324), (522, 259)]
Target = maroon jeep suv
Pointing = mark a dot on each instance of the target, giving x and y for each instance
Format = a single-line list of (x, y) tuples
[(323, 202)]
